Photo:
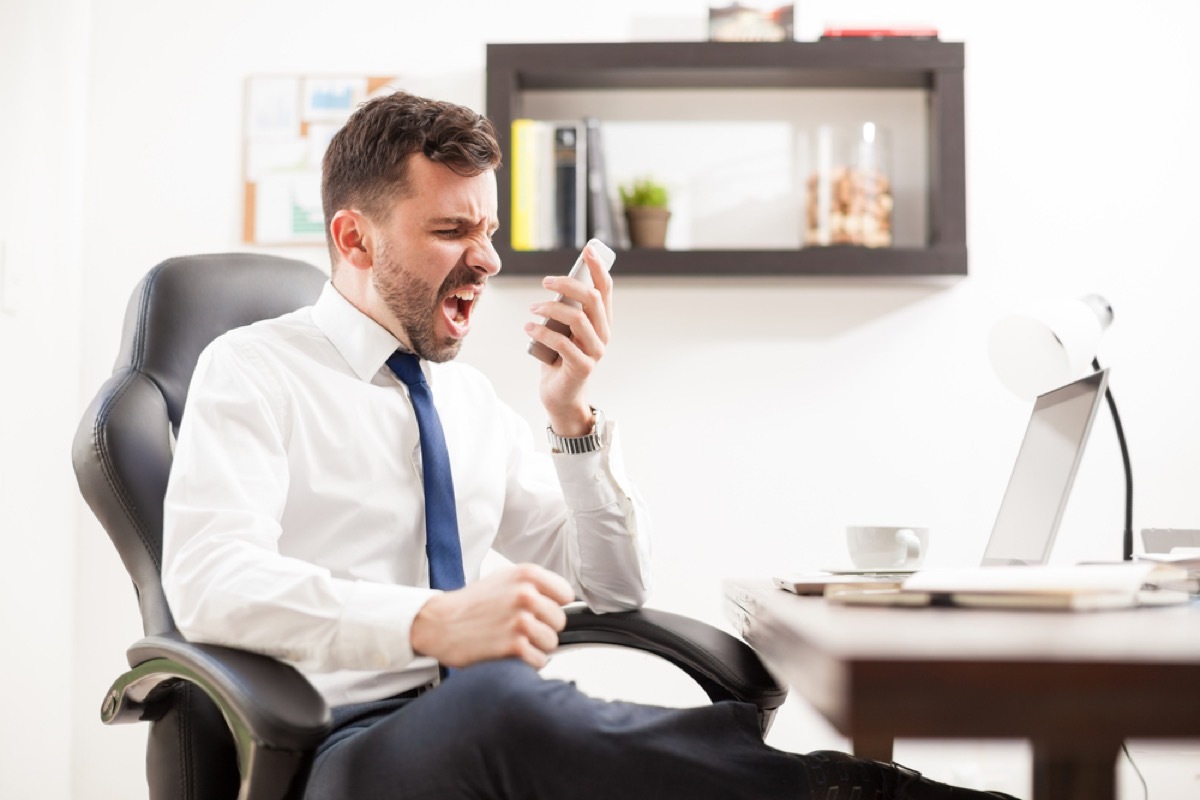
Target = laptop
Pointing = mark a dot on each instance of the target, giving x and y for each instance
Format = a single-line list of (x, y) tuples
[(1038, 488), (1029, 515)]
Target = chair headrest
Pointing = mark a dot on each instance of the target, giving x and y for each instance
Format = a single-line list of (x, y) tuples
[(123, 449), (184, 303)]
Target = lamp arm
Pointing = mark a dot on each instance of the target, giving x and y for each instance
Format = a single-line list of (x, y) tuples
[(1127, 541)]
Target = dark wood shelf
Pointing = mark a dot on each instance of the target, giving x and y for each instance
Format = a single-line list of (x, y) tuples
[(931, 65), (811, 261), (889, 63)]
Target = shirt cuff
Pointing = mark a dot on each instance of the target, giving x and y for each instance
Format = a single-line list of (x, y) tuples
[(376, 625), (592, 480)]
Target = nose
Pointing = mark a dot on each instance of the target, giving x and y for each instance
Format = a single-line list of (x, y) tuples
[(482, 256)]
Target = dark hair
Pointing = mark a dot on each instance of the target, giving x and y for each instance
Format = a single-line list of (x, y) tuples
[(366, 164)]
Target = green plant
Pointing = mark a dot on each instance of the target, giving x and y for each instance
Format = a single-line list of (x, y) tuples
[(644, 193)]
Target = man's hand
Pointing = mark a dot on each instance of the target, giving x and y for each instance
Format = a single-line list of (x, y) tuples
[(515, 611), (563, 381)]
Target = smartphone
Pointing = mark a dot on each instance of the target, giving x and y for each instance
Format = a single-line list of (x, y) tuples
[(580, 272)]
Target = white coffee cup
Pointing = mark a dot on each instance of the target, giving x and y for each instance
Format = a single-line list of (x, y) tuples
[(899, 547)]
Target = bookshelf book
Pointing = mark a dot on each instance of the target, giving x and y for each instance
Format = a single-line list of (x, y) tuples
[(517, 72)]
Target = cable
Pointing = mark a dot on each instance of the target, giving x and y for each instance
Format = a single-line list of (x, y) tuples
[(1127, 541), (1136, 771)]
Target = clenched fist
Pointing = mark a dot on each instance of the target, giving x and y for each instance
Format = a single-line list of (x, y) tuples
[(515, 611)]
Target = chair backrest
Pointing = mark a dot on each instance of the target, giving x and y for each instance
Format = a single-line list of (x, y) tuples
[(123, 446)]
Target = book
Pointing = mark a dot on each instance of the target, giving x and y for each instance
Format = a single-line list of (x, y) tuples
[(876, 596), (751, 22), (825, 583), (1085, 587), (524, 184), (570, 184), (545, 227), (549, 189), (533, 222), (1080, 587), (600, 217), (1184, 558), (880, 32)]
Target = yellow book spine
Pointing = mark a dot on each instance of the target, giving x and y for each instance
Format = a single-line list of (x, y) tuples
[(524, 184)]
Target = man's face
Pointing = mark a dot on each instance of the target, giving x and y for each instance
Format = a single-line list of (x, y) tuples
[(435, 255)]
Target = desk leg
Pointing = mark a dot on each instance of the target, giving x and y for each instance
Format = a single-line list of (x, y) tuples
[(877, 748), (1074, 771)]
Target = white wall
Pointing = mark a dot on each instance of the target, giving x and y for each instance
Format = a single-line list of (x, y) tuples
[(43, 47), (791, 407)]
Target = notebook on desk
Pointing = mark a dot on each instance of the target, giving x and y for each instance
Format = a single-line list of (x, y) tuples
[(1038, 487)]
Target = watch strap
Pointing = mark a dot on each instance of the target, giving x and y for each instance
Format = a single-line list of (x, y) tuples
[(574, 445)]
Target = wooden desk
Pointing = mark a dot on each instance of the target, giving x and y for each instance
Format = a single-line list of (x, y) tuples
[(1077, 684)]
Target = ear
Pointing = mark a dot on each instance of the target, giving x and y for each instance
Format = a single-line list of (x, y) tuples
[(353, 236)]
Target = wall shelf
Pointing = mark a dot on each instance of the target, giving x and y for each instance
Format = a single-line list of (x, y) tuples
[(933, 66)]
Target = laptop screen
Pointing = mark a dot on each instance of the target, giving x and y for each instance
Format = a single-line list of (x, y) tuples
[(1044, 472)]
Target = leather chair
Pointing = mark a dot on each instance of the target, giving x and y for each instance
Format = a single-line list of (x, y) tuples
[(227, 723)]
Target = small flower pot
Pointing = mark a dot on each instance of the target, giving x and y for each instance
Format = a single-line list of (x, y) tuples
[(648, 227)]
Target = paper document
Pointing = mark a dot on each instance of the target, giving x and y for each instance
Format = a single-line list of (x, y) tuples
[(1127, 578), (1186, 557), (822, 582), (1083, 587)]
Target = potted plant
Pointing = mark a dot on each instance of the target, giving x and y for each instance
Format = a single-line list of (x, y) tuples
[(646, 212)]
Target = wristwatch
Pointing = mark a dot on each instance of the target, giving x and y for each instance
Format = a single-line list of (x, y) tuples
[(588, 443)]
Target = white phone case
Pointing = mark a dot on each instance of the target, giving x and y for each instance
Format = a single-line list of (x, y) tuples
[(580, 272)]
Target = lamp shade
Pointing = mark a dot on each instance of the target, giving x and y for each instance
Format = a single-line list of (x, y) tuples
[(1043, 349)]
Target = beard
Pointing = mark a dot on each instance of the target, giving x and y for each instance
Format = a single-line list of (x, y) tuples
[(417, 304)]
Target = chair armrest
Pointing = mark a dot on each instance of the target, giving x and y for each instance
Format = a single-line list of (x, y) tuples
[(725, 667), (265, 702)]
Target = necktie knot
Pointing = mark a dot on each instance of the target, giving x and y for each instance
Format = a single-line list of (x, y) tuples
[(407, 368)]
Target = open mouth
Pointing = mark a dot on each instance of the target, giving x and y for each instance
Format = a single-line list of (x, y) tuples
[(457, 308)]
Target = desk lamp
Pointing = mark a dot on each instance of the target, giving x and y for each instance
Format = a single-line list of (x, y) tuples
[(1041, 350)]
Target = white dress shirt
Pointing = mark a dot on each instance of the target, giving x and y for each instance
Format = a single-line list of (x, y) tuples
[(294, 517)]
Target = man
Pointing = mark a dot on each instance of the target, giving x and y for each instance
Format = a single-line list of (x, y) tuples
[(306, 514)]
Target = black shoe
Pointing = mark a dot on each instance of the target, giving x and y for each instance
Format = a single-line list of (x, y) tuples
[(829, 771)]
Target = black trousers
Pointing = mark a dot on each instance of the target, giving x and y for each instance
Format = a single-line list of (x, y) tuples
[(500, 730)]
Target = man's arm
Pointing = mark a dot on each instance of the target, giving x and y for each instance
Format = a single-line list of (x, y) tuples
[(228, 583), (606, 531), (224, 576), (580, 516)]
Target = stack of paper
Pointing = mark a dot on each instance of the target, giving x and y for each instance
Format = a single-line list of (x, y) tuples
[(1187, 557), (1083, 587), (822, 582), (1184, 558)]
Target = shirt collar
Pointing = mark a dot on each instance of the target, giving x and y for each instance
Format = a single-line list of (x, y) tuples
[(363, 342)]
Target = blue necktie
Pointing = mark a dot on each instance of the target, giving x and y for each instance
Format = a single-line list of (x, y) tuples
[(442, 545)]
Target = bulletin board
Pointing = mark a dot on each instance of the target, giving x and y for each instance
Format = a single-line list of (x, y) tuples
[(288, 122)]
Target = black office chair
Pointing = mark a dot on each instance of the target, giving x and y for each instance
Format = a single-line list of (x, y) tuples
[(227, 723)]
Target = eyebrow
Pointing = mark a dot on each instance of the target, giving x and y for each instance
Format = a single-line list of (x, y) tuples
[(460, 220)]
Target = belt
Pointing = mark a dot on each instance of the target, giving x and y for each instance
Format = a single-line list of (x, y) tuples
[(417, 691)]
